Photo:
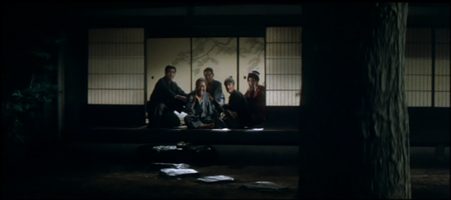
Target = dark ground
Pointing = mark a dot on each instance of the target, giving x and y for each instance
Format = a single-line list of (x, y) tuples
[(109, 171)]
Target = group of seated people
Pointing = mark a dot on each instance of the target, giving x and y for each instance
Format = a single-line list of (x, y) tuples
[(206, 106)]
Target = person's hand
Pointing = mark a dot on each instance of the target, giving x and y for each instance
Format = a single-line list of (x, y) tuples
[(222, 105), (184, 99), (180, 97), (255, 87)]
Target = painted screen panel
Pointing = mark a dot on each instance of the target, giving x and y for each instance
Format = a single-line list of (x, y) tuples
[(168, 51), (252, 57), (218, 53)]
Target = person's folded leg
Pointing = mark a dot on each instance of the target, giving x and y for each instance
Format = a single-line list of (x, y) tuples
[(192, 122), (231, 119), (219, 123), (170, 119)]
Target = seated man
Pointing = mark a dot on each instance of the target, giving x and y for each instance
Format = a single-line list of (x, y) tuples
[(200, 109), (214, 87), (166, 97), (237, 110)]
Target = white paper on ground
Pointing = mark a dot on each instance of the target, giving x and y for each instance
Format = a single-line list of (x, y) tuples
[(176, 172), (217, 178)]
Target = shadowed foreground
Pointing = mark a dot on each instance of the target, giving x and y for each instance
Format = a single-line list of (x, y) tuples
[(109, 171)]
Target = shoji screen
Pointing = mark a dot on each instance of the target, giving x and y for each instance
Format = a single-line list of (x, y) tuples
[(283, 66), (418, 67), (442, 68), (116, 66)]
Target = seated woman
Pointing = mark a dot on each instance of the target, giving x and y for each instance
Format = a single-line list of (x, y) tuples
[(201, 110), (255, 97)]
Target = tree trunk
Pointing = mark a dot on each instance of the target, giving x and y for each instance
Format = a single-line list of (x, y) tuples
[(354, 123)]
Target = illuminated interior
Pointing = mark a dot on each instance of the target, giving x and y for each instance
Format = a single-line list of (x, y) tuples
[(124, 66)]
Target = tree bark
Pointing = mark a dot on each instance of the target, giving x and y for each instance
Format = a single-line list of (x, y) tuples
[(354, 123)]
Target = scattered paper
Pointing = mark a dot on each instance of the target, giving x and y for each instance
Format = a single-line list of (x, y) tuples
[(173, 165), (181, 116), (212, 179), (263, 185), (166, 148), (178, 172), (255, 129)]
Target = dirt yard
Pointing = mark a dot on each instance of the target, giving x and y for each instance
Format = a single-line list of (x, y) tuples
[(116, 176)]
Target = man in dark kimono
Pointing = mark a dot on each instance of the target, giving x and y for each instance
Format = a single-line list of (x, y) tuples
[(166, 97), (214, 87), (200, 109), (237, 110)]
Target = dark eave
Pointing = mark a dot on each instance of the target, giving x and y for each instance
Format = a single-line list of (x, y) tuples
[(187, 14)]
